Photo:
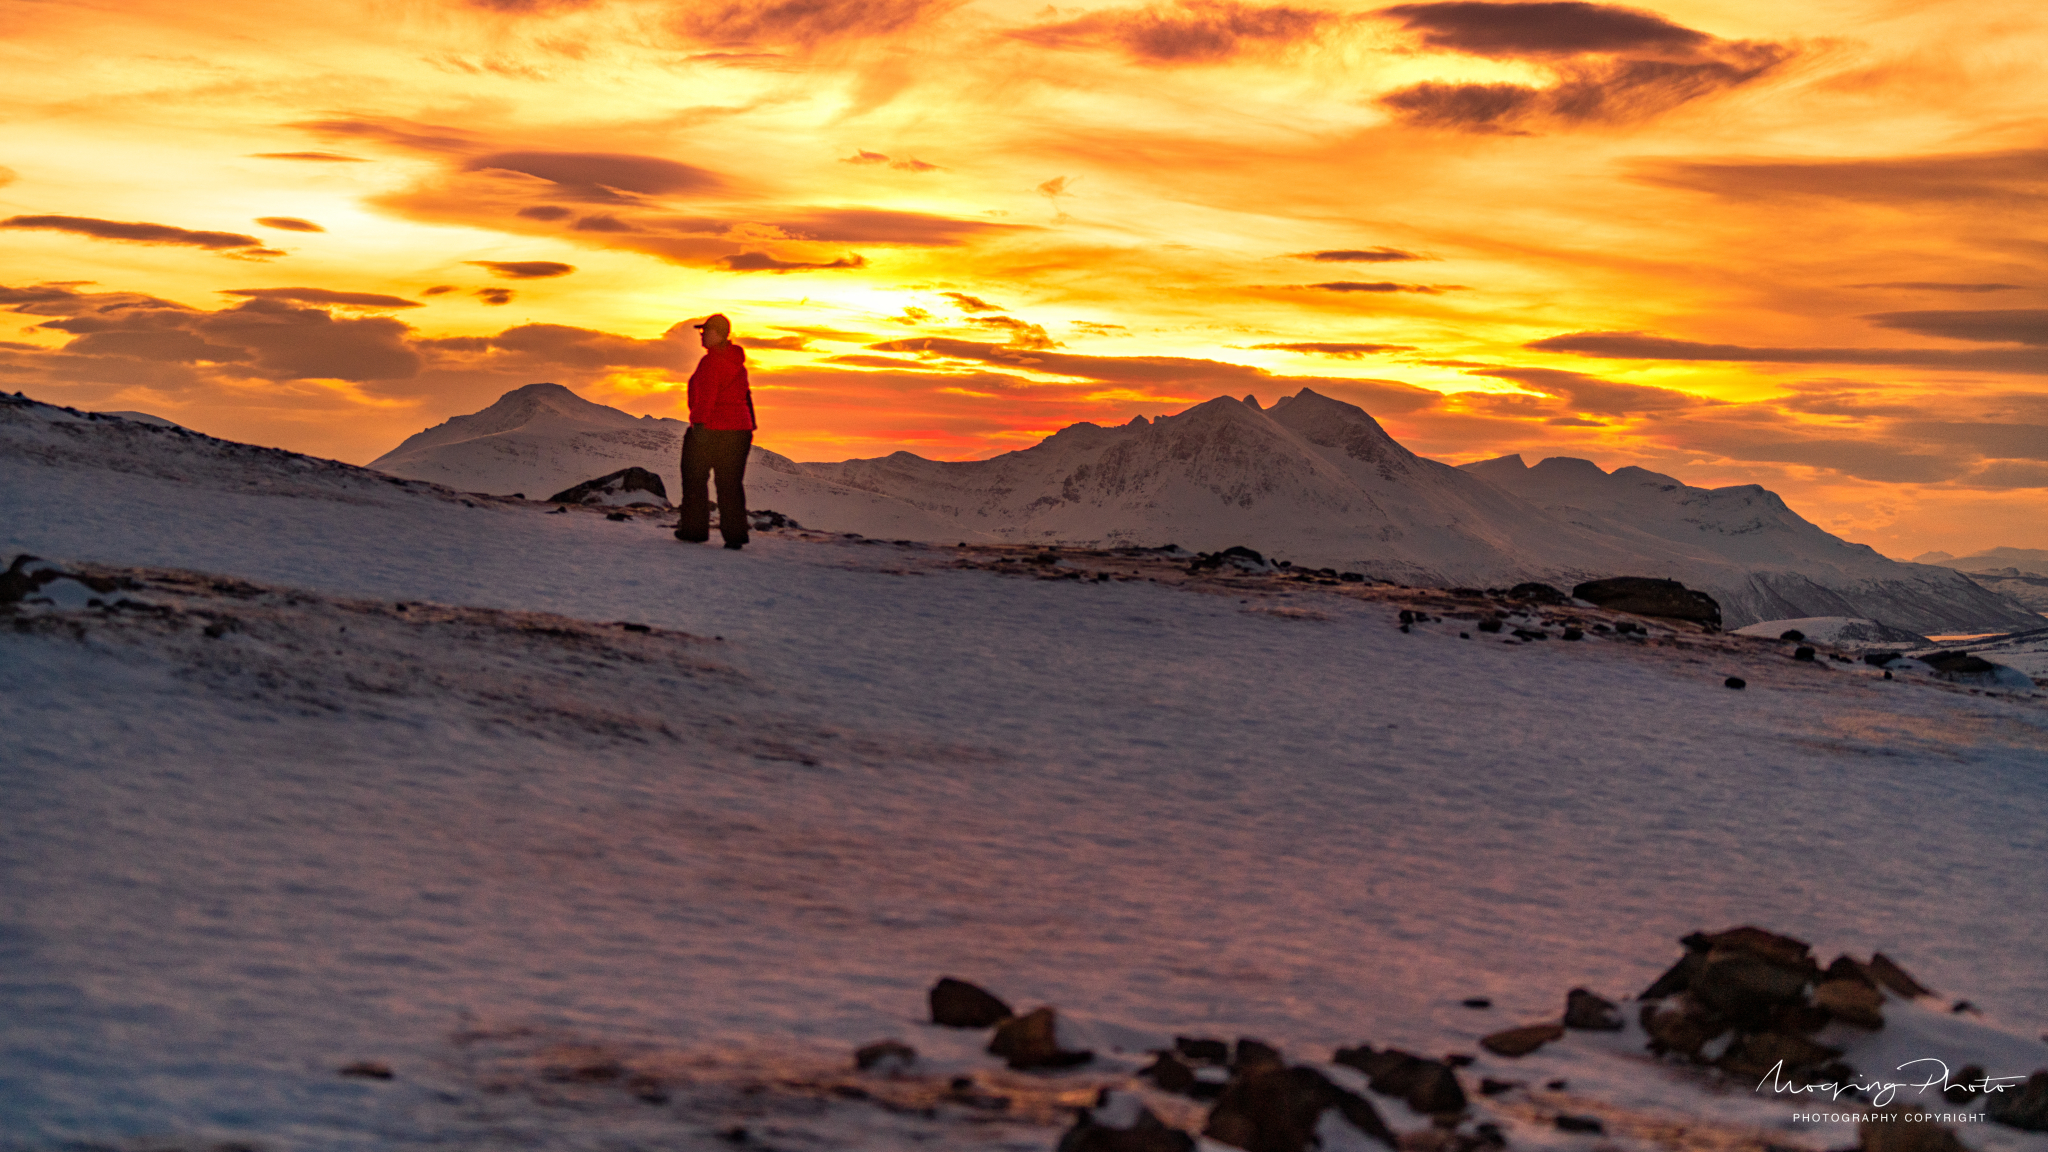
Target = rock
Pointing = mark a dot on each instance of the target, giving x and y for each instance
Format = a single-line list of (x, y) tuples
[(1851, 1001), (1029, 1041), (1803, 654), (1736, 682), (626, 486), (958, 1004), (1521, 1041), (1574, 634), (1679, 1025), (1489, 625), (1583, 1009), (1756, 1055), (1169, 1073), (367, 1069), (1120, 1122), (1880, 659), (1569, 1123), (1678, 977), (1436, 1091), (1539, 593), (1889, 1131), (1527, 634), (1643, 596), (2026, 1109), (1792, 634), (1965, 1087), (1255, 1054), (1476, 1002), (1277, 1110), (1488, 1086), (884, 1056), (1203, 1049), (1887, 972)]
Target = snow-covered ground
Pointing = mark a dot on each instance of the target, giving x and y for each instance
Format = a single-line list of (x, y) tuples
[(494, 837)]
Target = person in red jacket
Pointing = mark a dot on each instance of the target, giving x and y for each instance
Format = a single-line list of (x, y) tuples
[(721, 431)]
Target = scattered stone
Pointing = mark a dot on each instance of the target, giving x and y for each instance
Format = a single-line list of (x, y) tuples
[(1521, 1041), (1203, 1049), (1489, 625), (1880, 659), (958, 1004), (884, 1056), (1887, 972), (368, 1070), (626, 486), (1803, 653), (1574, 634), (1896, 1134), (1569, 1123), (1169, 1074), (2026, 1109), (1539, 593), (1643, 596), (1488, 1086), (1585, 1010), (1964, 1089), (1436, 1091), (1476, 1002), (1557, 1085), (1253, 1054), (1963, 1006), (1736, 682), (1029, 1041), (1120, 1122), (1793, 634), (621, 516), (1278, 1109), (1678, 1025), (1855, 1002), (737, 1134), (1460, 1060), (1755, 1055), (1526, 634)]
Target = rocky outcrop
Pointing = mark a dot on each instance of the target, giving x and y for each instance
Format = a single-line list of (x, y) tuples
[(616, 489), (958, 1004), (1032, 1041), (1646, 596), (1279, 1109)]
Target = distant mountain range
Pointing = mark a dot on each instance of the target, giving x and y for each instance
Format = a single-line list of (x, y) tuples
[(1311, 479), (2020, 574)]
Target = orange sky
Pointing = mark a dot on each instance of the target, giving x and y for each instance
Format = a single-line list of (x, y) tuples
[(1733, 241)]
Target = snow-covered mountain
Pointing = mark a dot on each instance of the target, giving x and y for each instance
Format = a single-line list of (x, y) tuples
[(1311, 479), (2020, 574), (1752, 552)]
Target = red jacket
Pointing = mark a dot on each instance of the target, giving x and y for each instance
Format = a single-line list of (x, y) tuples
[(720, 398)]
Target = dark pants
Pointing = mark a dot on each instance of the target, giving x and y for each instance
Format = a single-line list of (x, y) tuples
[(705, 451)]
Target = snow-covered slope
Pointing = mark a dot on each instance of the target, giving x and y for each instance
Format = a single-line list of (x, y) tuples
[(381, 777), (1755, 555)]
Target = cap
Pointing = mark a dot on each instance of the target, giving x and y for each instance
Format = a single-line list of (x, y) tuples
[(715, 320)]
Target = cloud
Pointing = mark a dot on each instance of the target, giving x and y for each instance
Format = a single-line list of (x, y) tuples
[(601, 223), (227, 243), (865, 157), (1940, 286), (2012, 178), (1998, 326), (1591, 394), (1342, 351), (438, 290), (885, 226), (403, 133), (494, 296), (582, 348), (1384, 286), (912, 164), (1360, 255), (8, 176), (1543, 29), (1186, 32), (1611, 65), (602, 176), (289, 224), (320, 157), (1642, 346), (968, 303), (523, 269), (324, 296), (1022, 334), (803, 22), (530, 7), (762, 262), (545, 212), (307, 343)]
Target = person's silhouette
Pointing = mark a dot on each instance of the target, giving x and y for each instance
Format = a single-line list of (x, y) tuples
[(721, 431)]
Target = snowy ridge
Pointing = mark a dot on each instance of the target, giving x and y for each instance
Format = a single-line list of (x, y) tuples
[(1312, 479)]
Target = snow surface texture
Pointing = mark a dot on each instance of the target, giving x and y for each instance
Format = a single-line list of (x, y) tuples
[(1312, 480), (497, 839), (1840, 631)]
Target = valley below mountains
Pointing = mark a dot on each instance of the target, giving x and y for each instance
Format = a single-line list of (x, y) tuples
[(1310, 479)]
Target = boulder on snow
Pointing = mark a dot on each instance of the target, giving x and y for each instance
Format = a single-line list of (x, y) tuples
[(1253, 1053), (1203, 1049), (884, 1056), (958, 1004), (1887, 972), (1278, 1109), (1855, 1002), (1754, 1055), (1593, 1013), (1429, 1086), (1645, 596), (1677, 1025), (1120, 1122), (1032, 1041), (615, 489), (2026, 1109), (1537, 593), (1521, 1041)]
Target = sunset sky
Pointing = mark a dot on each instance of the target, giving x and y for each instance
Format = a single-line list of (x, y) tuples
[(1796, 245)]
